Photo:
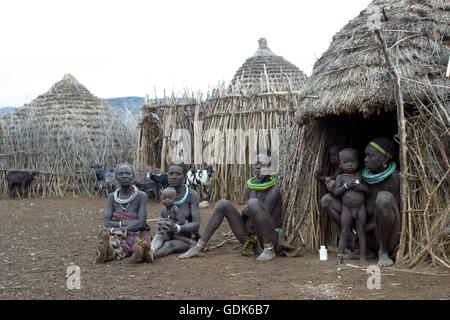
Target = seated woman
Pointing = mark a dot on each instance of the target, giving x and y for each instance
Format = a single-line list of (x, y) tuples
[(187, 201), (258, 226), (125, 231), (382, 200)]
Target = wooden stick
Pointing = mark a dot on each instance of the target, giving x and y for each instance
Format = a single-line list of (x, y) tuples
[(403, 147)]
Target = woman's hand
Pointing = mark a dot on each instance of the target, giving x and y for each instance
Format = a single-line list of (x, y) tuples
[(359, 187), (246, 211), (329, 183)]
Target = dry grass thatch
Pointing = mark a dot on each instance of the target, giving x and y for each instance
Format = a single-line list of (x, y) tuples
[(350, 77), (61, 134), (278, 73), (369, 84)]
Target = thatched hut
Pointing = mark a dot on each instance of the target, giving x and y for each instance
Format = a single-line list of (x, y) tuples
[(61, 134), (248, 114), (383, 75), (166, 131)]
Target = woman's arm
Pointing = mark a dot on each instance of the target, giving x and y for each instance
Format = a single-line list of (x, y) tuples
[(139, 224), (107, 218)]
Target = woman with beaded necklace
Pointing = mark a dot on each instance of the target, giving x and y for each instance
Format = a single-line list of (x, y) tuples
[(187, 200), (125, 231), (382, 200), (258, 227)]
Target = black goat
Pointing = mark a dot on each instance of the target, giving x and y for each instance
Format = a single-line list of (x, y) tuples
[(148, 187), (22, 179), (106, 179), (161, 179)]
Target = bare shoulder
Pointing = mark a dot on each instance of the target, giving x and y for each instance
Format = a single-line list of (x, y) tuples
[(276, 190), (193, 195), (142, 195), (111, 197)]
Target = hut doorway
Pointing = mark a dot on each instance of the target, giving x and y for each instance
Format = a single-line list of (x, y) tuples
[(354, 131)]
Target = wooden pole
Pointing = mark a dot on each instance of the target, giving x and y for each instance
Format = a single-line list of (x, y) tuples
[(402, 135)]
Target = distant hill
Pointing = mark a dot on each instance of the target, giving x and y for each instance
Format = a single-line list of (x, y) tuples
[(5, 110), (133, 104)]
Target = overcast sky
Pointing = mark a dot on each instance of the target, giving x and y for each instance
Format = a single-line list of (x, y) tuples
[(129, 48)]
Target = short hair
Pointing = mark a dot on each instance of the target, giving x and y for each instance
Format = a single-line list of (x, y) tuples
[(169, 189), (181, 165), (353, 150), (128, 165)]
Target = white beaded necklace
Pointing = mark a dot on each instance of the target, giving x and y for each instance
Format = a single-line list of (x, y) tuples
[(125, 201)]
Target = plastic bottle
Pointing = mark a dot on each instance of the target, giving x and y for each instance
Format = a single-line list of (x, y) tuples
[(323, 253)]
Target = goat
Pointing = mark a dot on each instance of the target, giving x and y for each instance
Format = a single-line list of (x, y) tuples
[(22, 179), (195, 178), (148, 187), (106, 179), (161, 179)]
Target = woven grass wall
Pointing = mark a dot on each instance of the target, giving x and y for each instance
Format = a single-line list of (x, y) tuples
[(161, 138), (63, 150), (260, 110)]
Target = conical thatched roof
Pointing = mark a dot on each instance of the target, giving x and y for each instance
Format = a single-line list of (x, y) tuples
[(68, 101), (265, 64), (352, 75)]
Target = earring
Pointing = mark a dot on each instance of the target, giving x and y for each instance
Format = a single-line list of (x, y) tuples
[(384, 165)]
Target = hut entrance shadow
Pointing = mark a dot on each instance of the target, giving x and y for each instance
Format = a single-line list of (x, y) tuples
[(352, 131)]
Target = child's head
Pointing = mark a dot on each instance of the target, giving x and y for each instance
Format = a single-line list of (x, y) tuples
[(348, 160), (168, 196), (334, 153)]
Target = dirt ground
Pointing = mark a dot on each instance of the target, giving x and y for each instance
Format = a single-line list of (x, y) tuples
[(41, 237)]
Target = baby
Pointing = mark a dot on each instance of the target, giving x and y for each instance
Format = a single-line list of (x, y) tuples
[(169, 212), (349, 187)]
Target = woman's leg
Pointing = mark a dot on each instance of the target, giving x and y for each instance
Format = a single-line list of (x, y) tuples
[(171, 246), (223, 209), (333, 207), (387, 226), (265, 231)]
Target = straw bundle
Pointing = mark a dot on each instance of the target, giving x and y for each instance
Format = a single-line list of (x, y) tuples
[(61, 134), (365, 86)]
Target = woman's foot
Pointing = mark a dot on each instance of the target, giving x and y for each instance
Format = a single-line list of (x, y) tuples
[(101, 253), (195, 251), (384, 260), (147, 252), (266, 255), (138, 252), (104, 239)]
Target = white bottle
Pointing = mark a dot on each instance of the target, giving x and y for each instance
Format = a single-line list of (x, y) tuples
[(323, 253)]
